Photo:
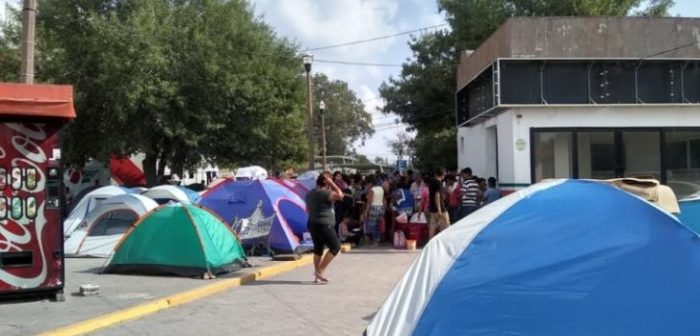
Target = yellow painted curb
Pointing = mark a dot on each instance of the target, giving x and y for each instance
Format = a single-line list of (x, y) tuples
[(345, 248), (175, 300)]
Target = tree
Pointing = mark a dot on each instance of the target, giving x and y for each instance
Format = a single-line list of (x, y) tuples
[(402, 145), (181, 81), (346, 118), (423, 94)]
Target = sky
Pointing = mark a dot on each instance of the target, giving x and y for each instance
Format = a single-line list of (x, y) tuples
[(317, 23)]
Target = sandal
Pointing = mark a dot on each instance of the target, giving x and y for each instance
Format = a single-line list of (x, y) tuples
[(320, 278)]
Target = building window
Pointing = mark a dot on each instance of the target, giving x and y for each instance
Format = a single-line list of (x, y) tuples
[(682, 158), (552, 155)]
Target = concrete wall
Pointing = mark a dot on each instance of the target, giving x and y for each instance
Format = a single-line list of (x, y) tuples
[(583, 37), (513, 127)]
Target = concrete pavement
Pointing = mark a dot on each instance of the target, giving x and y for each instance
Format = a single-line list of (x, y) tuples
[(289, 304), (116, 292)]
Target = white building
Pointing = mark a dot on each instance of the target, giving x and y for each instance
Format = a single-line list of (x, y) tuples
[(583, 98)]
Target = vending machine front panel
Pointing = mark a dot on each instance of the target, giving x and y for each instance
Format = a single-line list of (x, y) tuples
[(31, 233)]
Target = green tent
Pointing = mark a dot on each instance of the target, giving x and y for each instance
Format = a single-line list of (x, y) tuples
[(179, 239)]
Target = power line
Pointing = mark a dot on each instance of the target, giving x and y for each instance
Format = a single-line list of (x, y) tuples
[(376, 38), (358, 63)]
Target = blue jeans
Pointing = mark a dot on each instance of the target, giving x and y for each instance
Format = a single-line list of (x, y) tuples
[(454, 214), (466, 210)]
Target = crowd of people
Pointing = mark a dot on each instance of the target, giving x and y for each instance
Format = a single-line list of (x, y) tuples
[(370, 203), (362, 208)]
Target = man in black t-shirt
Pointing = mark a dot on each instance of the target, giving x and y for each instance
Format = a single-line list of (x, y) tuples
[(439, 218)]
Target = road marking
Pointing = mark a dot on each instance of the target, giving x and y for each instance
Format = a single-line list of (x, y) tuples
[(151, 307)]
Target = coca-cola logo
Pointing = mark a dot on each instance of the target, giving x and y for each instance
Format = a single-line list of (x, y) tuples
[(17, 234)]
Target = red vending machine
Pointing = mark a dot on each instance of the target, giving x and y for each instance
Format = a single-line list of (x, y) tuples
[(31, 190)]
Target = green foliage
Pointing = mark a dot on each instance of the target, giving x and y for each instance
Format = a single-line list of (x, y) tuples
[(179, 80), (9, 48), (402, 146), (423, 94), (345, 116)]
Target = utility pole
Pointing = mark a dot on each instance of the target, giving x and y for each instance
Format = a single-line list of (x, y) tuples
[(308, 58), (26, 74)]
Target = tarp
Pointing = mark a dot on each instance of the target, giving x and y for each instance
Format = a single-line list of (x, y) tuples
[(238, 199), (87, 203), (564, 257), (125, 172), (179, 239), (105, 225), (308, 179), (36, 100)]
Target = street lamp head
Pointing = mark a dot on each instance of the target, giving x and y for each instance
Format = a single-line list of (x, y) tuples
[(308, 59), (322, 106)]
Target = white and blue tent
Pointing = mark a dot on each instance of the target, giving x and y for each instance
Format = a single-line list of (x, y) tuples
[(565, 257)]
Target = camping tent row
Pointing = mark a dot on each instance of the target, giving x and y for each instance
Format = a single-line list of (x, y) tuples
[(565, 257), (102, 216)]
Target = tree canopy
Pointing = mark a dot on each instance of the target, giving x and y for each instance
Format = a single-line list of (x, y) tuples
[(345, 116), (183, 81), (423, 93)]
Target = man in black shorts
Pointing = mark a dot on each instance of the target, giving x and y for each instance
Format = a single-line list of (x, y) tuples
[(321, 225)]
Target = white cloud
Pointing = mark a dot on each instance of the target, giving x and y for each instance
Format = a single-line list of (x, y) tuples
[(316, 23)]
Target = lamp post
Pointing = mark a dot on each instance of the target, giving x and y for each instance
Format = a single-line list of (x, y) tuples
[(322, 109), (308, 59)]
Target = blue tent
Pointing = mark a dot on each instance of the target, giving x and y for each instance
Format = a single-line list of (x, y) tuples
[(238, 199), (690, 213), (563, 257)]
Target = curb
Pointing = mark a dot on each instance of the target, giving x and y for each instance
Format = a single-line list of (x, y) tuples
[(151, 307)]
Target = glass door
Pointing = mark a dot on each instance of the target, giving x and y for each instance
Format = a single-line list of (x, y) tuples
[(598, 155), (641, 154)]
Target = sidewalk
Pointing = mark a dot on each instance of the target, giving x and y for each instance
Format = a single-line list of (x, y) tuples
[(288, 304), (116, 292)]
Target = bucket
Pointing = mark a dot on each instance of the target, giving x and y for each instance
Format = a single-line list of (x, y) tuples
[(410, 245)]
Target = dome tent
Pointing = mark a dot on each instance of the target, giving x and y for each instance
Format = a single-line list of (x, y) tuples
[(564, 257), (180, 239), (105, 225), (165, 193), (87, 203), (233, 200)]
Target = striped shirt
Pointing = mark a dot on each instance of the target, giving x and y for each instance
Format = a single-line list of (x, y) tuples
[(470, 193)]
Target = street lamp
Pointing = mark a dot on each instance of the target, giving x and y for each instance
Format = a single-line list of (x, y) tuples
[(322, 109), (308, 59)]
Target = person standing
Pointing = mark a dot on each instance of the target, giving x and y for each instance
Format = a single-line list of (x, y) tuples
[(492, 193), (439, 218), (321, 224), (415, 190), (374, 211), (470, 193), (454, 197)]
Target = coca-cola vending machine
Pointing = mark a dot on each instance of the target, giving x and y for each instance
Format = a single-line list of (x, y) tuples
[(31, 188)]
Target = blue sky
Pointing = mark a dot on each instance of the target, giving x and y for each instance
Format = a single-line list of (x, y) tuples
[(314, 23)]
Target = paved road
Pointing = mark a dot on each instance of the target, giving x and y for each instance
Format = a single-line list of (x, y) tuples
[(28, 317), (289, 304)]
